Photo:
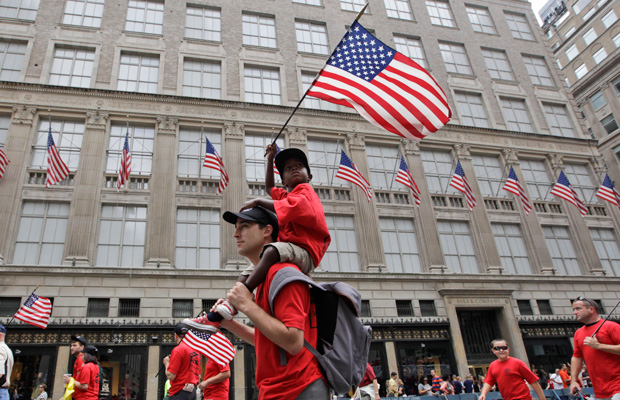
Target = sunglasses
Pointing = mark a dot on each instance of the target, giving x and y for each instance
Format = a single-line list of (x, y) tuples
[(498, 348)]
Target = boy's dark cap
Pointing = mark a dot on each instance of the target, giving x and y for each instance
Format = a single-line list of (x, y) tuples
[(90, 349), (254, 214), (181, 329), (285, 154), (78, 339)]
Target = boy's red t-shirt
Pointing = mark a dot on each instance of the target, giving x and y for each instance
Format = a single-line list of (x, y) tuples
[(185, 364), (301, 219), (510, 376), (216, 391)]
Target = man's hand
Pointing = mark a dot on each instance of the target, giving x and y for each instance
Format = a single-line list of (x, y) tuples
[(65, 378), (203, 385), (189, 387), (271, 150), (240, 297), (574, 388), (591, 341), (166, 361)]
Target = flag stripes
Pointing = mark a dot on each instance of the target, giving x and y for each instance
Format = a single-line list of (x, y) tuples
[(4, 161), (35, 311), (214, 161), (564, 190), (514, 186), (215, 346), (608, 191), (56, 168), (349, 172), (404, 176), (125, 167), (460, 183)]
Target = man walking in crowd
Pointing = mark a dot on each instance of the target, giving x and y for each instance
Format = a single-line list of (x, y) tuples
[(216, 382), (555, 380), (292, 320), (6, 365), (509, 374), (369, 387), (392, 385), (436, 382), (76, 348), (182, 368), (601, 352)]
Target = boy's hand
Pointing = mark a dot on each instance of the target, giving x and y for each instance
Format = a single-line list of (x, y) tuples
[(272, 150), (250, 204)]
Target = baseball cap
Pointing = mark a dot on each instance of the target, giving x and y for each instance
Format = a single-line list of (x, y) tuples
[(181, 329), (78, 339), (90, 349), (255, 214), (2, 329), (285, 154)]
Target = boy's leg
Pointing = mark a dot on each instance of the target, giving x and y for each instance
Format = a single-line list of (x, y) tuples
[(270, 256)]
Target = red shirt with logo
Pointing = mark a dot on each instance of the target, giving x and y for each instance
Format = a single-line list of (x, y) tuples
[(292, 306), (510, 376), (185, 364), (216, 391), (77, 367), (301, 219), (603, 367), (89, 375)]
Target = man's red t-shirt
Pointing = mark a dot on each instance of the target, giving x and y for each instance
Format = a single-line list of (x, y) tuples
[(292, 306), (565, 377), (216, 391), (301, 219), (509, 375), (89, 375), (603, 367), (369, 376), (77, 367), (185, 364)]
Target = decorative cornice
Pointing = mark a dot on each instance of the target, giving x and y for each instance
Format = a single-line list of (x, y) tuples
[(97, 119), (167, 125), (356, 141), (234, 130), (23, 114)]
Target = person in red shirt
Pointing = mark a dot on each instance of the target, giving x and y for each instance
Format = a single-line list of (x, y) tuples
[(565, 377), (87, 380), (369, 387), (76, 347), (510, 375), (601, 352), (182, 368), (216, 381)]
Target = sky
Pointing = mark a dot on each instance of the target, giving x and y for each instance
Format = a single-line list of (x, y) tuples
[(536, 6)]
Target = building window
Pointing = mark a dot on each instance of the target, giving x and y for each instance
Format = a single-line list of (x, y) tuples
[(366, 310), (145, 17), (544, 307), (427, 308), (41, 234), (438, 170), (382, 162), (5, 122), (19, 9), (525, 307), (138, 73), (561, 249), (580, 5), (581, 71), (182, 308), (511, 247), (202, 79), (516, 115), (311, 102), (262, 85), (609, 123), (9, 306), (410, 47), (536, 178), (255, 160), (341, 255), (11, 59), (471, 109), (558, 119), (455, 58), (308, 2), (458, 247), (324, 156), (581, 181), (67, 136), (616, 84), (352, 5), (122, 236), (129, 308), (98, 308), (404, 308), (519, 26), (203, 23), (598, 100), (572, 52), (259, 30), (616, 40), (192, 149), (607, 249), (398, 9), (599, 55), (83, 13), (569, 32), (141, 142), (589, 14), (311, 38), (400, 245), (480, 19), (72, 67), (488, 174), (497, 64), (609, 19), (590, 36), (538, 70), (197, 239), (440, 13), (207, 305)]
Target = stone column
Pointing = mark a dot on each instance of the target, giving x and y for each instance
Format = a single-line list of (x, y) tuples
[(239, 376), (62, 360), (162, 208), (390, 351), (85, 206), (153, 368), (18, 150)]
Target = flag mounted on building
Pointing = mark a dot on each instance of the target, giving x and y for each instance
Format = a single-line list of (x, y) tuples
[(460, 183), (513, 185), (608, 191), (564, 189), (35, 311), (387, 88), (349, 172), (214, 161), (215, 346), (4, 161), (125, 168), (404, 176), (56, 168)]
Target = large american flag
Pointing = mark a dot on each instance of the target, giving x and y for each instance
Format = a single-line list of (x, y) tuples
[(388, 89), (214, 161), (4, 161), (460, 183), (514, 186), (404, 176), (565, 190), (216, 346), (56, 168), (608, 191), (35, 311), (125, 168), (349, 172)]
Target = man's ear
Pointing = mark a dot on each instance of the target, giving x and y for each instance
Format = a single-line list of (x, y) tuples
[(268, 231)]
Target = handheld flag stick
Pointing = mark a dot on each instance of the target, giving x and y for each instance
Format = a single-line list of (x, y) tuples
[(606, 318)]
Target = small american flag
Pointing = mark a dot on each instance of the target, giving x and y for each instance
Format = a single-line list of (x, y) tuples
[(4, 161), (275, 169), (35, 311), (404, 176), (565, 190), (388, 89), (514, 186), (349, 172), (216, 346), (125, 168), (460, 183), (608, 191), (214, 161), (56, 168)]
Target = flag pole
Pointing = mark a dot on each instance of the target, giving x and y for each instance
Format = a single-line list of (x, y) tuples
[(501, 180), (359, 15), (606, 318), (452, 170), (35, 289)]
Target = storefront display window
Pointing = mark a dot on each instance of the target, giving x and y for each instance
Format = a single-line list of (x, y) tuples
[(416, 359)]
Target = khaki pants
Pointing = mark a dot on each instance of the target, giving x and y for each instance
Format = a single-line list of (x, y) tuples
[(289, 252)]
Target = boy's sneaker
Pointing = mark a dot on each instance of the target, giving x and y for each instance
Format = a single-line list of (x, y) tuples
[(226, 310), (202, 324)]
